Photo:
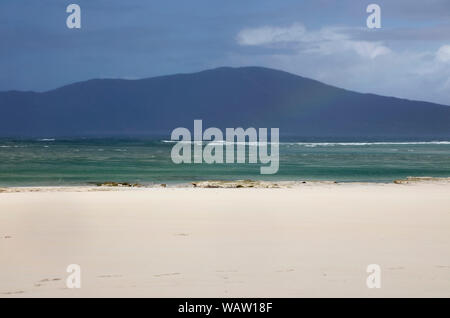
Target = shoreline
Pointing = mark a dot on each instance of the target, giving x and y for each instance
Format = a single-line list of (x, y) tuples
[(220, 184)]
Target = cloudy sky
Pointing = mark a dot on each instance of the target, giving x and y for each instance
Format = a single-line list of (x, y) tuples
[(327, 40)]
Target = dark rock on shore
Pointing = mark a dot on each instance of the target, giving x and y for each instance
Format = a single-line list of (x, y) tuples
[(119, 184)]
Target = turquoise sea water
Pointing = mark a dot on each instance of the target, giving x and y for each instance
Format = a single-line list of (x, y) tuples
[(147, 161)]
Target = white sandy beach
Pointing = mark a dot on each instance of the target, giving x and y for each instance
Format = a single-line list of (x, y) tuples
[(305, 241)]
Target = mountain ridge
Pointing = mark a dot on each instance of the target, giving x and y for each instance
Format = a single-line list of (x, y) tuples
[(207, 70), (222, 97)]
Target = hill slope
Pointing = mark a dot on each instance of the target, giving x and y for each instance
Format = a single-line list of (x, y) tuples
[(223, 97)]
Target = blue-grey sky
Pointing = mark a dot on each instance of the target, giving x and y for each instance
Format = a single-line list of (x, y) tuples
[(327, 40)]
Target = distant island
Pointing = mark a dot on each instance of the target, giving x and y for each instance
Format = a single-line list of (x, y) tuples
[(222, 97)]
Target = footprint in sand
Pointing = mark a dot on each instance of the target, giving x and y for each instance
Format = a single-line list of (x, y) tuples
[(168, 274), (226, 271), (109, 276), (286, 270), (48, 280), (7, 237), (13, 292)]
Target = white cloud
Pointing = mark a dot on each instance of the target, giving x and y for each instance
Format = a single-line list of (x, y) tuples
[(325, 41), (334, 56), (268, 35), (369, 49), (443, 54)]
